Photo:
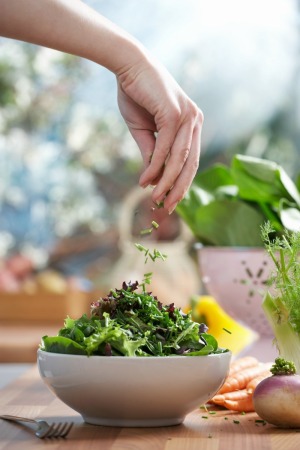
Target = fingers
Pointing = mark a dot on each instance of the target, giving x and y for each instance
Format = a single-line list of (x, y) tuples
[(161, 151), (174, 162), (145, 140), (187, 174)]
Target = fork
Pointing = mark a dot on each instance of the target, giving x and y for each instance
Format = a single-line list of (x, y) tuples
[(41, 428)]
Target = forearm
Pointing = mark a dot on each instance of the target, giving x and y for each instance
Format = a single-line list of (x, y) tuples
[(72, 27)]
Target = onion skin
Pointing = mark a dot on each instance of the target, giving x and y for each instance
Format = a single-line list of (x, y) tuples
[(276, 400)]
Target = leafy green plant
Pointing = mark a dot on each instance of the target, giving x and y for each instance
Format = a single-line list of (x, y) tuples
[(226, 206)]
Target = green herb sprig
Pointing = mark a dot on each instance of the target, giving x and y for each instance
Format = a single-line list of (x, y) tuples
[(281, 303)]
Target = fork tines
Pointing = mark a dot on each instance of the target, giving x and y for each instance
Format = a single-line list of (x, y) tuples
[(57, 430)]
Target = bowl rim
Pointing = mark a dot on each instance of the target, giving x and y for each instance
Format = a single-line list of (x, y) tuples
[(40, 351)]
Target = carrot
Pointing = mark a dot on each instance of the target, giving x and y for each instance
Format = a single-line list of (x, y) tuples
[(242, 405), (255, 381), (220, 399), (239, 380), (236, 401), (237, 391), (242, 363)]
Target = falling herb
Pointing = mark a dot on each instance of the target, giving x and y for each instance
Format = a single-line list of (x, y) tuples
[(154, 225), (146, 231), (155, 254)]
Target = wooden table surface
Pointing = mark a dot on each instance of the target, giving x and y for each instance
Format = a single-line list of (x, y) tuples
[(223, 430)]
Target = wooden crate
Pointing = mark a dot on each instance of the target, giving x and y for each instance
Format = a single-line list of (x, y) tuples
[(25, 318), (44, 306)]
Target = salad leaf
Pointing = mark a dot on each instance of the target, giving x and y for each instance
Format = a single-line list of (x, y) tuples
[(60, 344), (132, 322)]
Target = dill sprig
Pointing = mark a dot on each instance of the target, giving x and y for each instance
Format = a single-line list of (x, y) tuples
[(284, 251), (281, 302)]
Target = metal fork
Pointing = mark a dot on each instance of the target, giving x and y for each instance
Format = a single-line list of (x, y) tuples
[(43, 429)]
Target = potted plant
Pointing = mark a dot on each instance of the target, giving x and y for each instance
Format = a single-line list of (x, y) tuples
[(225, 209)]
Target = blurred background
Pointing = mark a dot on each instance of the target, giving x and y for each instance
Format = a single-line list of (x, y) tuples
[(68, 164)]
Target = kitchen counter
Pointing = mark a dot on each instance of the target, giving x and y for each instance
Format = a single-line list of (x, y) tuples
[(28, 396)]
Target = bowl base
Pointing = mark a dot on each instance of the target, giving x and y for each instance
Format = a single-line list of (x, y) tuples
[(133, 423)]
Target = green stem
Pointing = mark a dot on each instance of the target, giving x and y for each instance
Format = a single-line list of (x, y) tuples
[(271, 216), (286, 338)]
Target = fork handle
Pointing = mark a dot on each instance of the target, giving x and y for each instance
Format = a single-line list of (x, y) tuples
[(17, 419)]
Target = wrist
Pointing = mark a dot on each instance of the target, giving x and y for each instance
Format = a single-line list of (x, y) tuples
[(122, 54)]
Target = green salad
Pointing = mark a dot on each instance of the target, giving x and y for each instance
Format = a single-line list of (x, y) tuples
[(132, 322)]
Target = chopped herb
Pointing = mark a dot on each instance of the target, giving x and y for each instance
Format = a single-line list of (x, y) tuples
[(146, 231), (141, 248), (227, 331), (236, 421), (154, 224), (156, 254), (212, 412), (204, 417)]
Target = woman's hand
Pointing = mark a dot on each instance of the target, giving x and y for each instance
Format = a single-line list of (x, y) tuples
[(166, 125)]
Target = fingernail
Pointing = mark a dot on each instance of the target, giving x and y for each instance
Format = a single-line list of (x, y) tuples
[(171, 208)]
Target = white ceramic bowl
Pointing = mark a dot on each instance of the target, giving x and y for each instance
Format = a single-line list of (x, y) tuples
[(236, 277), (133, 391)]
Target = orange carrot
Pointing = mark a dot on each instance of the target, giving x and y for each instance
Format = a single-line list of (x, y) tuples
[(242, 363), (220, 399), (255, 381), (239, 380), (236, 400), (242, 405)]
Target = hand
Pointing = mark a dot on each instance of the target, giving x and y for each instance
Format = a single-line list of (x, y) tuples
[(166, 125)]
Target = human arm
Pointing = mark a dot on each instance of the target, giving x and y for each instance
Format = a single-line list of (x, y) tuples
[(165, 123)]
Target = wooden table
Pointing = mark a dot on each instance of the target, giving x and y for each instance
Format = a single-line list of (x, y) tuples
[(201, 430)]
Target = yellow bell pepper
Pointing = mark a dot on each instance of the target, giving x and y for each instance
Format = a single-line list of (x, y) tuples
[(229, 333)]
